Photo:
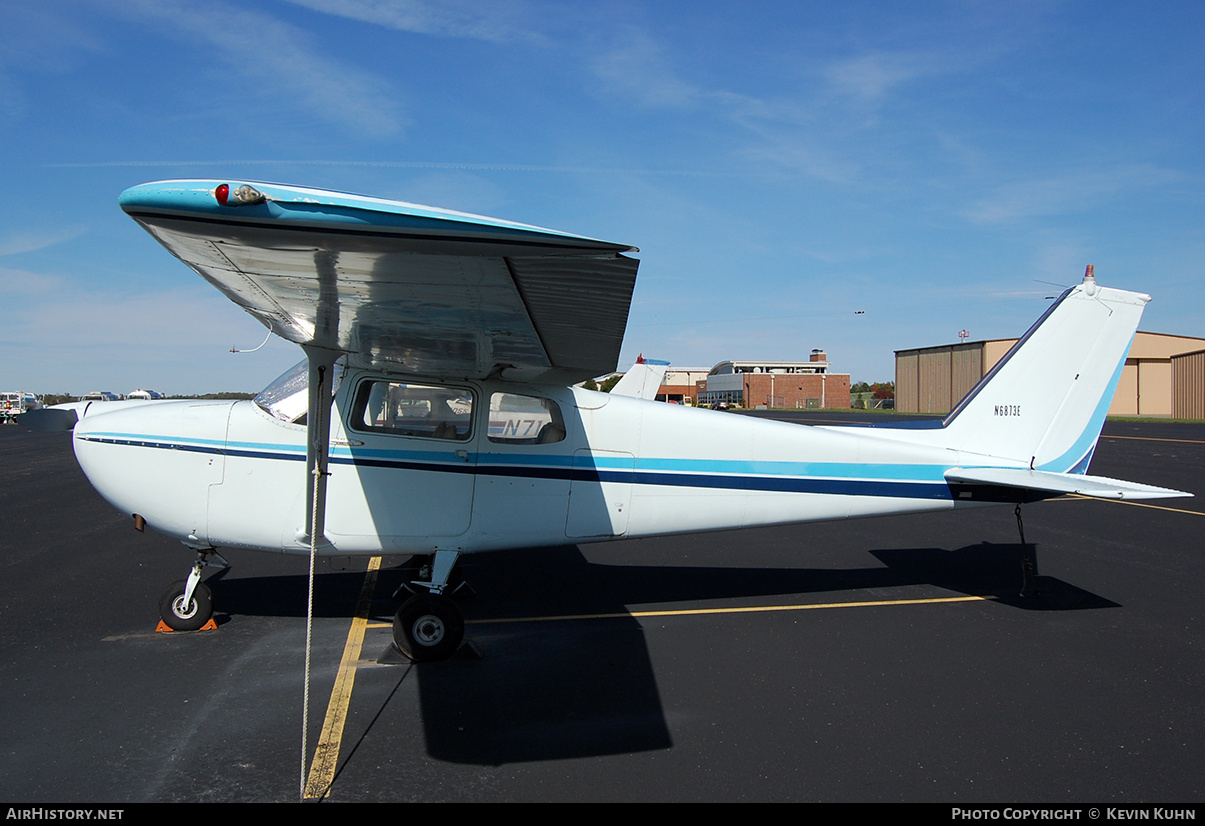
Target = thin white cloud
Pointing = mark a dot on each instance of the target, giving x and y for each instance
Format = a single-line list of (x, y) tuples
[(1061, 262), (20, 242), (638, 70), (40, 39), (803, 152), (280, 62), (872, 76), (826, 125), (148, 319), (785, 135), (82, 340), (44, 37), (1072, 192), (25, 282), (495, 21)]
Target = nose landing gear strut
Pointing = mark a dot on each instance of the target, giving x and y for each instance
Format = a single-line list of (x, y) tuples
[(187, 605)]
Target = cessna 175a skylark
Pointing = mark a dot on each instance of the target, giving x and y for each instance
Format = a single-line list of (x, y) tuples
[(449, 343)]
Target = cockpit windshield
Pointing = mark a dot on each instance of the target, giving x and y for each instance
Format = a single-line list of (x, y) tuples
[(287, 398)]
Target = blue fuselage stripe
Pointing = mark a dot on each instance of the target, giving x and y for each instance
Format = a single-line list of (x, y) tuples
[(767, 483)]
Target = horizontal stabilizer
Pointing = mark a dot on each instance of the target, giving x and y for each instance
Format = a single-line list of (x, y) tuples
[(49, 418), (1023, 478)]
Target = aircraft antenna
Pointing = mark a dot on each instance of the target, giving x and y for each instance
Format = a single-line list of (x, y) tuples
[(265, 341)]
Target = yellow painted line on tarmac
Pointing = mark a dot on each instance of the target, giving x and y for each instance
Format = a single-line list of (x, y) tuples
[(1155, 439), (752, 609), (761, 609), (326, 754)]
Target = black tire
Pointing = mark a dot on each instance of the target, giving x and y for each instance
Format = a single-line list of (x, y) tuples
[(180, 618), (428, 628)]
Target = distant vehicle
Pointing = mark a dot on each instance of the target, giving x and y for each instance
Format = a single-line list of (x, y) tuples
[(15, 403), (148, 395), (100, 396)]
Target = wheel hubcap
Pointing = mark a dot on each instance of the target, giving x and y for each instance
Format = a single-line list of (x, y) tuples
[(182, 611), (428, 630)]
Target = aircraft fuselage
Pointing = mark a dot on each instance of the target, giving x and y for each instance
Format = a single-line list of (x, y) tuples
[(468, 466)]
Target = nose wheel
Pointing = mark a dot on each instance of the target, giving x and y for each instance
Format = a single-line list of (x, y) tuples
[(187, 605), (181, 614)]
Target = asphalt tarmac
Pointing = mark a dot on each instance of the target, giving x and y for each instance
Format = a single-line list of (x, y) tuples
[(881, 660)]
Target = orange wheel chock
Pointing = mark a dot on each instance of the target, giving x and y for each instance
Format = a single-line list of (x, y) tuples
[(162, 627)]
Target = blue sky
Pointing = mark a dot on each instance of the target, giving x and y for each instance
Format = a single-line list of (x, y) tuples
[(937, 166)]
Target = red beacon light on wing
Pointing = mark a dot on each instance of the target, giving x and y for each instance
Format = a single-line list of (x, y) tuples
[(241, 196)]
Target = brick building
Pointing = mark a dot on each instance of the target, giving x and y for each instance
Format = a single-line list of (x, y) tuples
[(790, 384), (680, 385)]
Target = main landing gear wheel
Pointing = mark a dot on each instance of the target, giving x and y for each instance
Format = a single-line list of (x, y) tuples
[(428, 627), (180, 617)]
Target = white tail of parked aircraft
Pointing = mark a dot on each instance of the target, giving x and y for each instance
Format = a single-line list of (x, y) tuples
[(643, 380)]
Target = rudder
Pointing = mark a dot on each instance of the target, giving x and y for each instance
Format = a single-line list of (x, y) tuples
[(1045, 402)]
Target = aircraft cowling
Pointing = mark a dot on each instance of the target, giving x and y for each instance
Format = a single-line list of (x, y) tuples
[(157, 461)]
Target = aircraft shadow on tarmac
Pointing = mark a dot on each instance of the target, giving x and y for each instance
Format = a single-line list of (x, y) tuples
[(550, 690)]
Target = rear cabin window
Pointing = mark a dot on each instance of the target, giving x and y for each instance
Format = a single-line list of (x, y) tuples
[(405, 409), (525, 420)]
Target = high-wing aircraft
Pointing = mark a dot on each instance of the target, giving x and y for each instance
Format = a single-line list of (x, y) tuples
[(433, 413)]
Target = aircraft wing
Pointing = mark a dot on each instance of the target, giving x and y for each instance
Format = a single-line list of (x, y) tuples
[(432, 292), (1025, 479)]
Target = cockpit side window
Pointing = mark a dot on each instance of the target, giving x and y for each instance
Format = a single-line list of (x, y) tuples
[(288, 397), (406, 409), (525, 420)]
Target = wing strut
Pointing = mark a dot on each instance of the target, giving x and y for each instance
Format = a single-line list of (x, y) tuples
[(317, 454), (318, 440)]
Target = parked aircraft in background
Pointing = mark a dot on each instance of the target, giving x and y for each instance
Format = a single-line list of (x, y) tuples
[(13, 403), (643, 380), (434, 412), (146, 395)]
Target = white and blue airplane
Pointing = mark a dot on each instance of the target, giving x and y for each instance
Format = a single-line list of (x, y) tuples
[(434, 415)]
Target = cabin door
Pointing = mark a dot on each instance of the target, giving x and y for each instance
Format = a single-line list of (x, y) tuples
[(404, 470)]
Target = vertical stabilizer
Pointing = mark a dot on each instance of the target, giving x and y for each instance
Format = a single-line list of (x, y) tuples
[(643, 380), (1045, 402)]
